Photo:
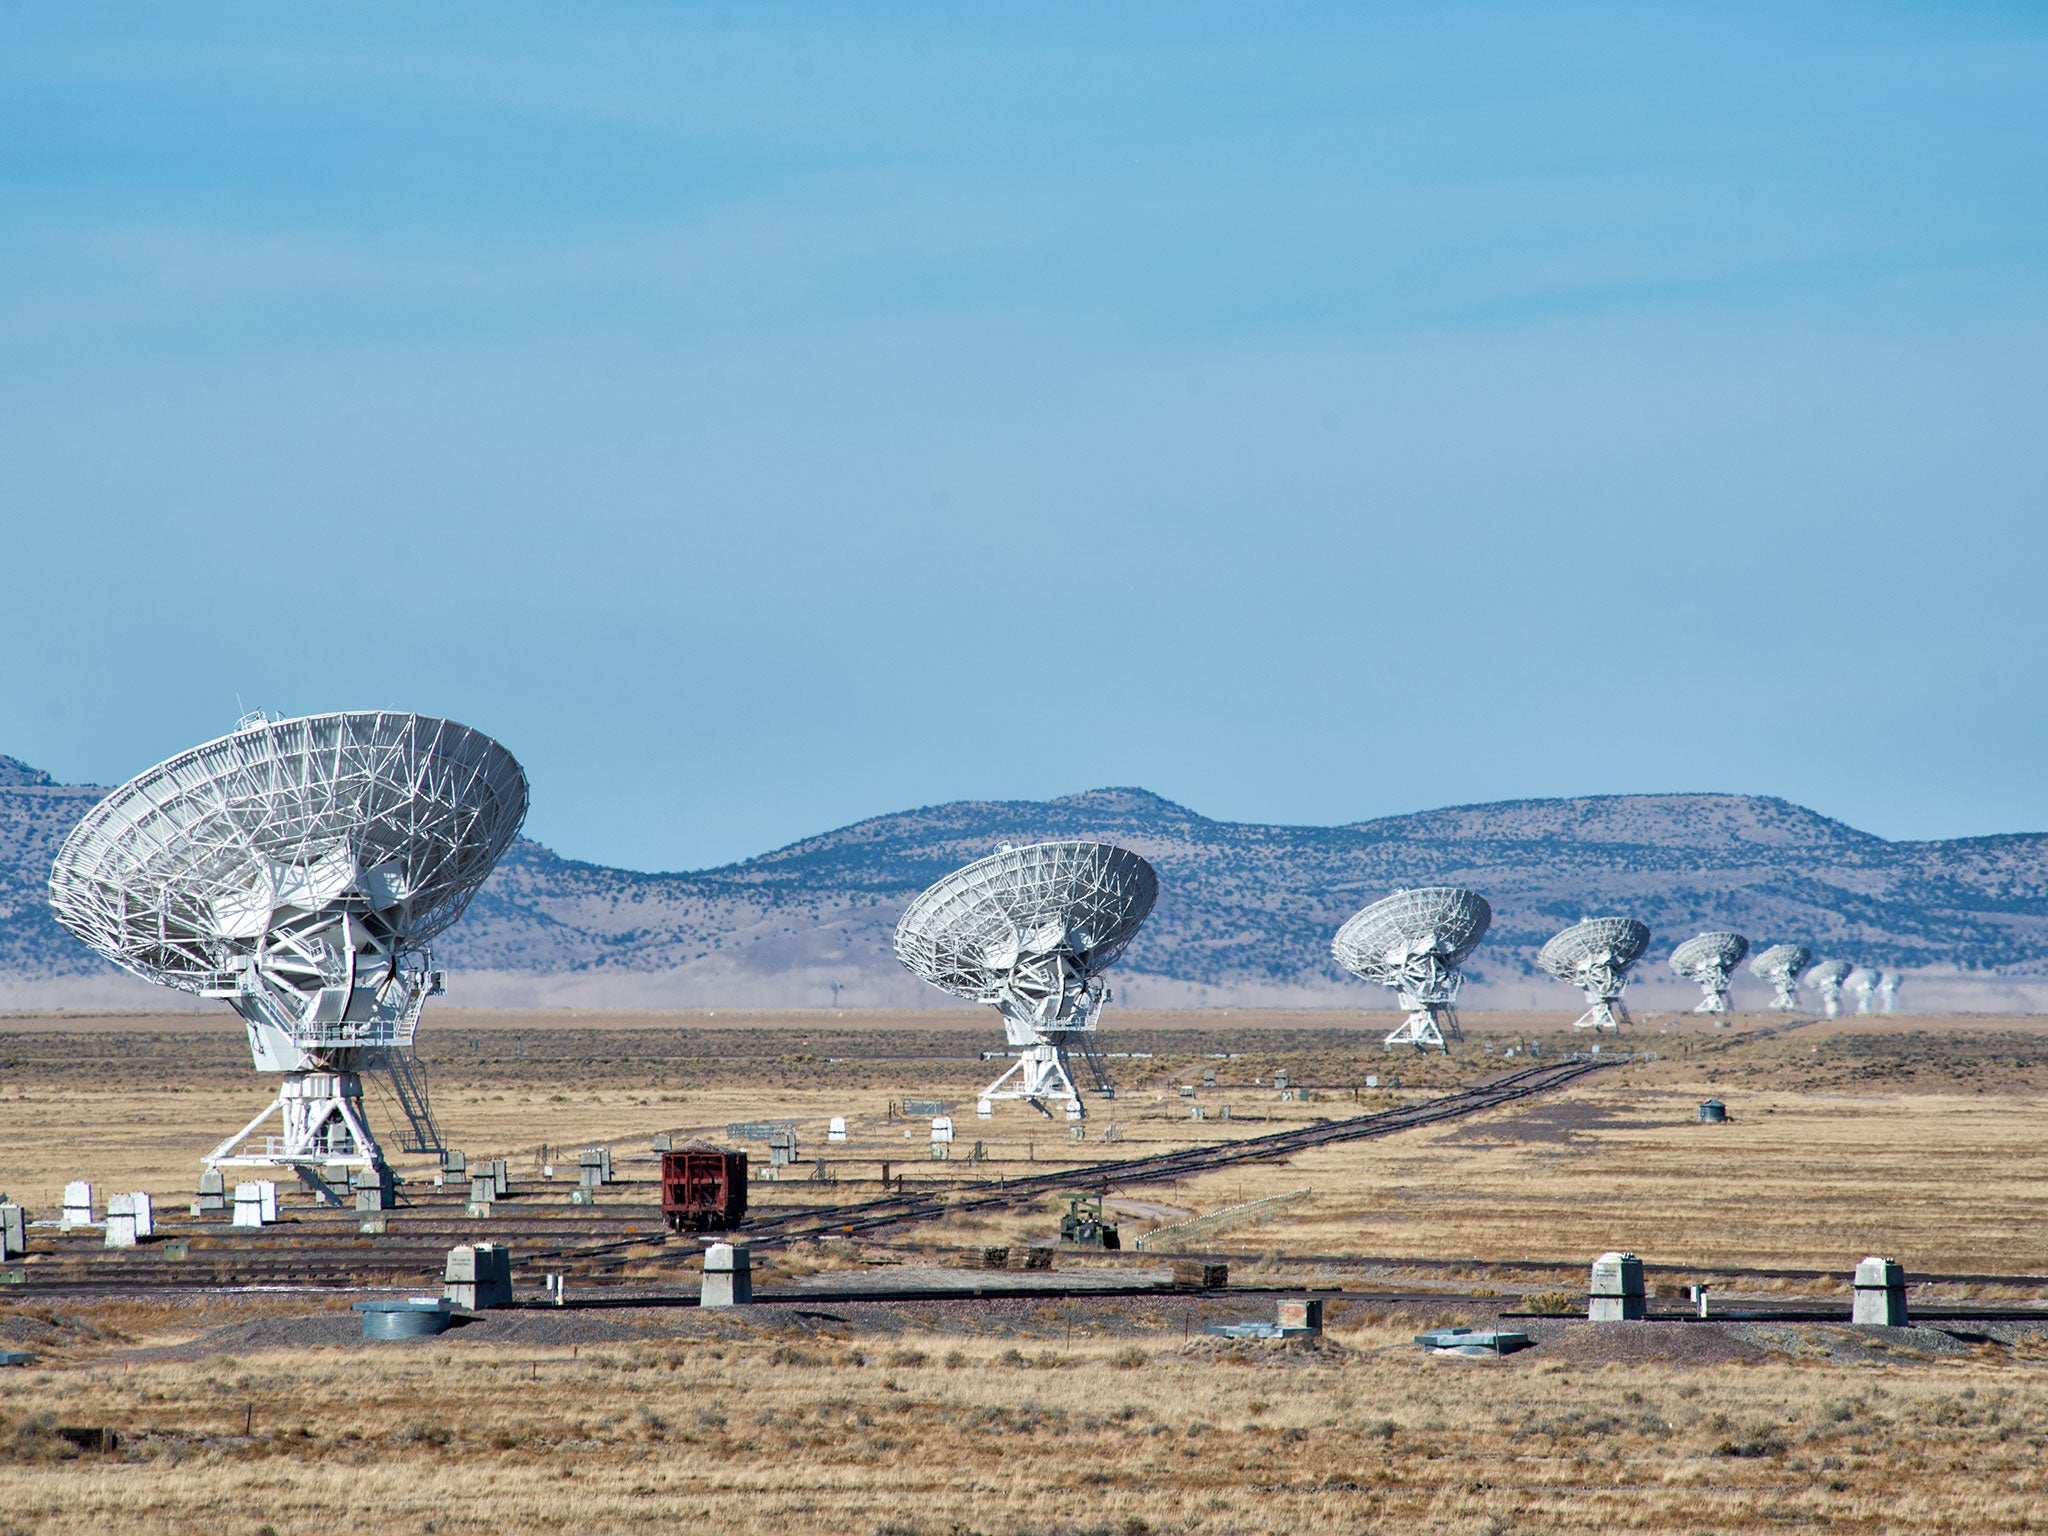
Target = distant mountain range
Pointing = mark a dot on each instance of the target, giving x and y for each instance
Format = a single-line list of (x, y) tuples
[(1244, 917)]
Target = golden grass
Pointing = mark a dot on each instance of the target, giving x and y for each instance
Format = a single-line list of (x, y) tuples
[(1890, 1137), (936, 1434)]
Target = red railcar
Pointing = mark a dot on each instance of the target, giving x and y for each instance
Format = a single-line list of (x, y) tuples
[(703, 1188)]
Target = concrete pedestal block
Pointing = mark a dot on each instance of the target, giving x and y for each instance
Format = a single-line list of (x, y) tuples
[(13, 1231), (120, 1221), (478, 1275), (78, 1204), (1880, 1293), (728, 1276), (1616, 1294)]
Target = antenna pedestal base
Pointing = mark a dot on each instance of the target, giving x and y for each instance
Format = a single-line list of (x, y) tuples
[(1426, 1026), (1038, 1077), (321, 1115), (1606, 1013)]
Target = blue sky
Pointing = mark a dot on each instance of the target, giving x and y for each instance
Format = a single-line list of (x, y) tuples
[(764, 417)]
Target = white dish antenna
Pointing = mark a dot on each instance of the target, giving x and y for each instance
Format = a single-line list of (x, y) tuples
[(1030, 930), (1414, 941), (1780, 965), (1826, 979), (1887, 990), (298, 870), (1707, 959), (1594, 955), (1861, 983)]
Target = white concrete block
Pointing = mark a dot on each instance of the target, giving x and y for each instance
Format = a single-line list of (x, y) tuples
[(78, 1204), (1880, 1293), (1616, 1294), (728, 1276)]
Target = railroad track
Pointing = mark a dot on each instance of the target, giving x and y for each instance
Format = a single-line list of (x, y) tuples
[(591, 1256), (1167, 1167)]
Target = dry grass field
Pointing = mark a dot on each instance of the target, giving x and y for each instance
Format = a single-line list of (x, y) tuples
[(767, 1430), (1914, 1137)]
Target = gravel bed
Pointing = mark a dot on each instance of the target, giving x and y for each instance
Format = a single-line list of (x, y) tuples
[(1583, 1343)]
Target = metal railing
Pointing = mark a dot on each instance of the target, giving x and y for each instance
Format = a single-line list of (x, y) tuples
[(1166, 1239)]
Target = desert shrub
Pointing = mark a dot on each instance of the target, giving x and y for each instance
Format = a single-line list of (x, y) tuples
[(908, 1357), (1760, 1440), (1129, 1359), (1551, 1303)]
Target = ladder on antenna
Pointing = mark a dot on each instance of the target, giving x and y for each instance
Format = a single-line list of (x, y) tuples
[(1090, 1051), (419, 1133)]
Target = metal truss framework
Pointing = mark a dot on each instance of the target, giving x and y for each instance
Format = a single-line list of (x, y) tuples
[(298, 870), (1780, 965), (1414, 941), (1707, 959), (1030, 930), (1595, 955), (1826, 979)]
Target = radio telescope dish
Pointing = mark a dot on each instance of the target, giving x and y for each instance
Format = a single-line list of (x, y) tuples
[(1030, 930), (1594, 955), (1413, 941), (1826, 979), (1780, 965), (1707, 959), (297, 870), (1862, 982), (1887, 989)]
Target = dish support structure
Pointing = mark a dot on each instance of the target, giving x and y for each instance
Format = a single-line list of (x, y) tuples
[(323, 1039), (1049, 1030)]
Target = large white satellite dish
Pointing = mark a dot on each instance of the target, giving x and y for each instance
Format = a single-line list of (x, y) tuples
[(1707, 958), (1414, 941), (298, 870), (1862, 981), (1826, 979), (1594, 955), (1780, 965), (1030, 930)]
